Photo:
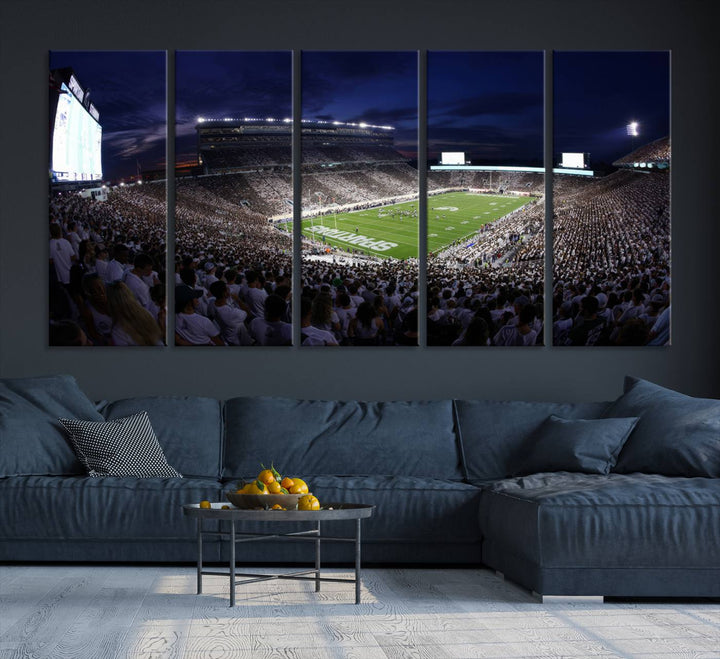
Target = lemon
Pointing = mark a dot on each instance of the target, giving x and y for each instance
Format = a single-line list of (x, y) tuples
[(274, 487), (308, 502), (299, 487), (256, 487), (205, 504)]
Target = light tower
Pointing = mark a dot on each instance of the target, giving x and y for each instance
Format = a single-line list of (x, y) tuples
[(633, 130)]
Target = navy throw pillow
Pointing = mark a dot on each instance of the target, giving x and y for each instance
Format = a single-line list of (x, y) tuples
[(677, 435), (589, 446)]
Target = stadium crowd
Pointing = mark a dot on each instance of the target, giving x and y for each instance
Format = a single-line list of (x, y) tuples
[(232, 279), (612, 262), (107, 274)]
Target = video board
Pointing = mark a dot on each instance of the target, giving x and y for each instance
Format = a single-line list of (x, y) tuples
[(76, 141)]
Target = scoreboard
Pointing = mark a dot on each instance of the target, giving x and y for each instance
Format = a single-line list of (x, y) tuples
[(574, 160), (76, 137)]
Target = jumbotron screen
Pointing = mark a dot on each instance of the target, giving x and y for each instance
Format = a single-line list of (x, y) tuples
[(77, 141), (452, 158), (573, 160)]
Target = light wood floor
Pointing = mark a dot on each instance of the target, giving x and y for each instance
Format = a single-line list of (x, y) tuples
[(94, 612)]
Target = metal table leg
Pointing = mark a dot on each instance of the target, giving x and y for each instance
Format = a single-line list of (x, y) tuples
[(232, 562), (317, 560), (200, 556), (357, 561)]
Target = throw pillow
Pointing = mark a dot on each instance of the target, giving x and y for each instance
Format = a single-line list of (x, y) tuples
[(677, 435), (121, 447), (589, 446)]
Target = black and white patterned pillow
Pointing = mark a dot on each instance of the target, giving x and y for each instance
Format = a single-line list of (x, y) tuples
[(121, 447)]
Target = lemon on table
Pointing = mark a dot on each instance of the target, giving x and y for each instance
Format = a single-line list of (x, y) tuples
[(205, 504), (308, 502)]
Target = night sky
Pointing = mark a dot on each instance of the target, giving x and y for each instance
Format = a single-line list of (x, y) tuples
[(375, 87), (487, 104), (128, 89), (228, 84), (597, 94)]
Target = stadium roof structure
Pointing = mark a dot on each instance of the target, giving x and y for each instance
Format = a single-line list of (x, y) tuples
[(307, 122), (655, 155)]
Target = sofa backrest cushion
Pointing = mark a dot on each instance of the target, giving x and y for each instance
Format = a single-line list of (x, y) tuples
[(493, 434), (677, 435), (313, 437), (32, 440), (189, 429)]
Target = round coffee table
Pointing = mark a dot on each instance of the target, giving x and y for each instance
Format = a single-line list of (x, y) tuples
[(330, 512)]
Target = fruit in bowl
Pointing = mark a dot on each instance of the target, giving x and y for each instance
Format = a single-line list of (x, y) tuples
[(271, 501), (272, 491)]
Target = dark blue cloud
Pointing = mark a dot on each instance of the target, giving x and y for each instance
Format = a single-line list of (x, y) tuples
[(378, 87), (218, 84), (487, 104)]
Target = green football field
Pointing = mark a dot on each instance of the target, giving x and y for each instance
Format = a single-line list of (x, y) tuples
[(386, 232)]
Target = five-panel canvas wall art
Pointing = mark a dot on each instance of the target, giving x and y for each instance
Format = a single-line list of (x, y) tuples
[(241, 180)]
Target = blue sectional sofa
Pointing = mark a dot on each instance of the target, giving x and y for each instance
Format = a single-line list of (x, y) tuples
[(449, 479)]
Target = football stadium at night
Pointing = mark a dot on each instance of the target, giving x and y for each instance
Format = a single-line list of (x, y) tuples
[(360, 224)]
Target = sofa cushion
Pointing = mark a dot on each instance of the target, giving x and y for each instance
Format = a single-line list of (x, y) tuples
[(32, 441), (493, 434), (677, 435), (189, 429), (590, 446), (568, 520), (101, 509), (312, 437), (121, 447)]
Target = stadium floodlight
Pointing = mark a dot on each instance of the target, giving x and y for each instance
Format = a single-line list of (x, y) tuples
[(201, 120), (633, 129)]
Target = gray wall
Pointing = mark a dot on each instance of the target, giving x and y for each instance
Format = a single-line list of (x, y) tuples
[(30, 28)]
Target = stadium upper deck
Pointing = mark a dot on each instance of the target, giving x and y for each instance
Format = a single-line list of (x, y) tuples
[(236, 145), (649, 156)]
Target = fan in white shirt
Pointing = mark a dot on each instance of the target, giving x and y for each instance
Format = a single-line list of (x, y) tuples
[(62, 254), (230, 319), (135, 280), (192, 329), (270, 330), (119, 264)]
